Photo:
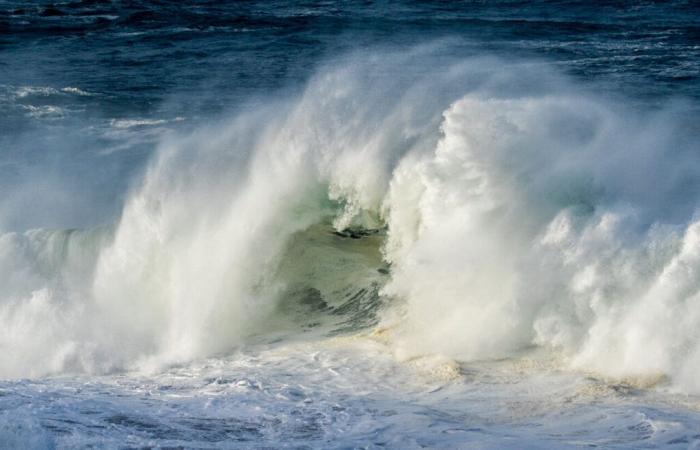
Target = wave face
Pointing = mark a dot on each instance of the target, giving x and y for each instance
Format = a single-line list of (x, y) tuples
[(476, 209)]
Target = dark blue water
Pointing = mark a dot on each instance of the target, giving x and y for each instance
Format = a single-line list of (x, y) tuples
[(142, 52)]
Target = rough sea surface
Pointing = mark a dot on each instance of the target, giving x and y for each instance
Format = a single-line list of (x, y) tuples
[(363, 224)]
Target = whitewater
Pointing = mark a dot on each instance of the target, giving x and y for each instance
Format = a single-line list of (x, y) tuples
[(426, 242), (448, 257)]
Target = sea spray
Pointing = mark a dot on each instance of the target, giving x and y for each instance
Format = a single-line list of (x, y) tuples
[(516, 210), (517, 230)]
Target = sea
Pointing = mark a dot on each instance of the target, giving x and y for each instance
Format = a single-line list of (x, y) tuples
[(377, 224)]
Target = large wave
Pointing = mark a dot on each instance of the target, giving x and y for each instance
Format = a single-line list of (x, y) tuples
[(474, 209)]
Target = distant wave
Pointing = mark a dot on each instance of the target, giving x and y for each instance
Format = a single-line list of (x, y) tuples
[(45, 91), (44, 111), (131, 123), (474, 210), (76, 91)]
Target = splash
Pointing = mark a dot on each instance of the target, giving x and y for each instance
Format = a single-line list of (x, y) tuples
[(494, 208)]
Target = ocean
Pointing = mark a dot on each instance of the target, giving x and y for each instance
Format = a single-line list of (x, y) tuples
[(363, 224)]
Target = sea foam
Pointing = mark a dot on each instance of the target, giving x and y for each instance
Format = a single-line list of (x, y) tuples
[(516, 209)]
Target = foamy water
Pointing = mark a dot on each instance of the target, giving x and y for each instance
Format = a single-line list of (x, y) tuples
[(408, 251)]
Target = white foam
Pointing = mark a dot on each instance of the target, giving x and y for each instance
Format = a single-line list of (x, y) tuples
[(520, 212), (131, 123), (46, 111), (76, 91), (44, 91)]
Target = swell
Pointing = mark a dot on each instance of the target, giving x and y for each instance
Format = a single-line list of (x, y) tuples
[(471, 209)]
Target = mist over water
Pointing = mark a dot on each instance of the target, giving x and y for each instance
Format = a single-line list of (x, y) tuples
[(393, 232)]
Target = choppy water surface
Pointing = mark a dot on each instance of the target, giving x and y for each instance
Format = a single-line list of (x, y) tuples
[(333, 396)]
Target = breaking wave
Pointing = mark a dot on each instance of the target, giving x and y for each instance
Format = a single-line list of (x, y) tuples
[(478, 209)]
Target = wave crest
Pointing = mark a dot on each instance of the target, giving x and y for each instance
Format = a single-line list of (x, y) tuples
[(511, 210)]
